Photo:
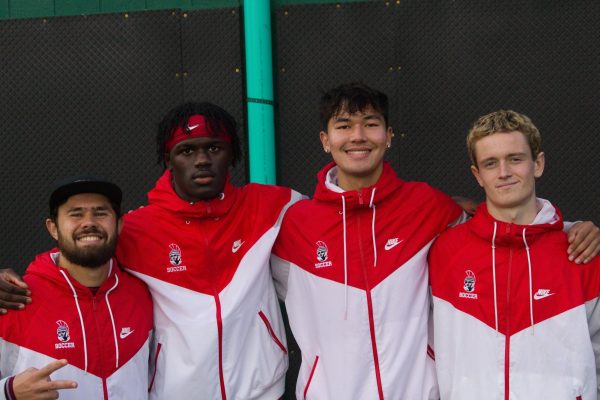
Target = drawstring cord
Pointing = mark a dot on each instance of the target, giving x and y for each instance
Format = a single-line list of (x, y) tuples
[(345, 260), (494, 275), (529, 268), (112, 320), (373, 227), (85, 353), (530, 281), (372, 206)]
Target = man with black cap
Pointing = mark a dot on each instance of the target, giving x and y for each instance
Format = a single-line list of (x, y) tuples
[(88, 326), (202, 245)]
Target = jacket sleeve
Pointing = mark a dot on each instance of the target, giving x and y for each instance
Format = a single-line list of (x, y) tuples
[(591, 281), (6, 390), (593, 315), (280, 269)]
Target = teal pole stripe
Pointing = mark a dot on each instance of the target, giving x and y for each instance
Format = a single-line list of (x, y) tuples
[(260, 101), (259, 87)]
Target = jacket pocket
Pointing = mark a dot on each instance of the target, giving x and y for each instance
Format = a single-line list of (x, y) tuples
[(155, 365), (272, 333), (312, 373)]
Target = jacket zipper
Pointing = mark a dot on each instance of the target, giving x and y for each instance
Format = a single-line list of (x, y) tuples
[(218, 318), (100, 342), (220, 333), (369, 304)]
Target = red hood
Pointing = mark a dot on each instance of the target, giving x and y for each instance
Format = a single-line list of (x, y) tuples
[(164, 196), (482, 224), (43, 266), (387, 184)]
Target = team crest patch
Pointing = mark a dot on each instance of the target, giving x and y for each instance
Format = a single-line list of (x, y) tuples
[(469, 286), (175, 259), (62, 333), (322, 255)]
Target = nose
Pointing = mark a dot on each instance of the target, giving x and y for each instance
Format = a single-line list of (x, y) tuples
[(202, 158), (505, 171), (357, 133), (88, 220)]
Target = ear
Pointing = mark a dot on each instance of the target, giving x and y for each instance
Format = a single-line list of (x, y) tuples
[(325, 141), (475, 172), (389, 135), (540, 163), (52, 228)]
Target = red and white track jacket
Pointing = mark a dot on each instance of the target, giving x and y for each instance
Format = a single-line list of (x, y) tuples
[(352, 269), (217, 320), (105, 337), (513, 317)]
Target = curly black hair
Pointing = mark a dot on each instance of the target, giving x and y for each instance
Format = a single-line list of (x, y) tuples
[(218, 120)]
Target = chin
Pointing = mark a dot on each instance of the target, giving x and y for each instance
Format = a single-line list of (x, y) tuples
[(206, 195)]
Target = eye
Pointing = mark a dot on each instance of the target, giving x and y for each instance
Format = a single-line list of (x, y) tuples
[(214, 148), (516, 159), (372, 125), (342, 126), (489, 164), (186, 151)]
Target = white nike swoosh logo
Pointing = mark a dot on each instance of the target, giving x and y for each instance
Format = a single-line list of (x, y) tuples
[(538, 296), (389, 246), (236, 247), (123, 335), (193, 127)]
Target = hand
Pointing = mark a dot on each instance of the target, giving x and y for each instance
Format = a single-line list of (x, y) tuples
[(468, 205), (34, 384), (14, 293), (584, 242)]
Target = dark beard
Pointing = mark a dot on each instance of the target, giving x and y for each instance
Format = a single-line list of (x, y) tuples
[(89, 258)]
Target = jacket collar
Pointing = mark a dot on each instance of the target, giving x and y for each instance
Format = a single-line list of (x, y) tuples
[(549, 218), (45, 266), (163, 195), (328, 191)]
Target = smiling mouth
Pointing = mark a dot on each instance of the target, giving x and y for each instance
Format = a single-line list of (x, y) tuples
[(90, 238), (506, 185), (358, 152)]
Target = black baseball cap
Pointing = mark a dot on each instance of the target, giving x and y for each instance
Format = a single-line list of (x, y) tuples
[(65, 188)]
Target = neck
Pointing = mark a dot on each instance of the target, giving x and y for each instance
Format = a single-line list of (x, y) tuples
[(88, 277), (523, 214), (350, 182)]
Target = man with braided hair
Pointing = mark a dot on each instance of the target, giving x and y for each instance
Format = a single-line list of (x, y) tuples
[(202, 246)]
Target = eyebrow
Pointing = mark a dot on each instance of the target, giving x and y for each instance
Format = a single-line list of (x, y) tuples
[(99, 208), (366, 117), (508, 155)]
